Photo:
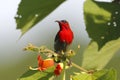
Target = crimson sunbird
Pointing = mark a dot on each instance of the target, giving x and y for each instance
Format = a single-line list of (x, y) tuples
[(64, 36)]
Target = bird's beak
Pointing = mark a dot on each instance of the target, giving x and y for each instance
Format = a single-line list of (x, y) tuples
[(57, 21)]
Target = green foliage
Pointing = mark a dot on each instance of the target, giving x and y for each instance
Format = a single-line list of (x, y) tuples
[(30, 12), (38, 75), (102, 21), (83, 76), (105, 75), (99, 75), (94, 59)]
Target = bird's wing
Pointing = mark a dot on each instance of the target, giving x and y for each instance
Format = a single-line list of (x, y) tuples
[(56, 37)]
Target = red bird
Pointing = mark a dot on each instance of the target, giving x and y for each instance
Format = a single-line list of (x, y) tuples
[(64, 37)]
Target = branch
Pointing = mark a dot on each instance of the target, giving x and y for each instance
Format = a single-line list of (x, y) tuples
[(77, 66)]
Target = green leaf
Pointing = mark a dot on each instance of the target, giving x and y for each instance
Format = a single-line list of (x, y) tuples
[(37, 75), (102, 21), (99, 75), (94, 59), (83, 76), (106, 75), (30, 12)]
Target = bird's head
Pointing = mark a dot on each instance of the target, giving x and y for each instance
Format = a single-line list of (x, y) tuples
[(63, 24)]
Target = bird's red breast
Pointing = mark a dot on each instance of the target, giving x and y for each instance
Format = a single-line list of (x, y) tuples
[(66, 36)]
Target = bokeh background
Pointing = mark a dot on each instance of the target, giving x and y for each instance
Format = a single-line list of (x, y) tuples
[(13, 60)]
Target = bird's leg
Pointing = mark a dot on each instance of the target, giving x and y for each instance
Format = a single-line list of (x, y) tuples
[(69, 62), (63, 56)]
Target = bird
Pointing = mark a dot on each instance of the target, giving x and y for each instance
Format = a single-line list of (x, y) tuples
[(64, 36)]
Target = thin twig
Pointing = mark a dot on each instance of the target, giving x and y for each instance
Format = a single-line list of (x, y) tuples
[(77, 66)]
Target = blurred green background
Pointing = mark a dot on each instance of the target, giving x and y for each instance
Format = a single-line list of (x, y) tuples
[(14, 61)]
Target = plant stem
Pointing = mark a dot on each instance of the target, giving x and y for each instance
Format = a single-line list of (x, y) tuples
[(63, 75), (77, 66)]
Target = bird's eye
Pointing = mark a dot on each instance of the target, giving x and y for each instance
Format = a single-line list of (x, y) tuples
[(64, 21)]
